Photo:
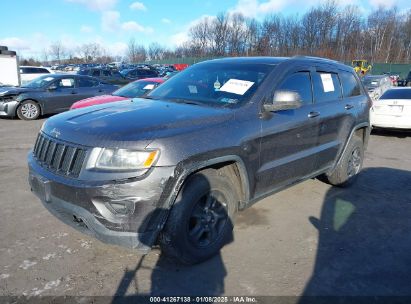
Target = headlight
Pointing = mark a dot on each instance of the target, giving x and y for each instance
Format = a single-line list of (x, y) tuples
[(121, 159)]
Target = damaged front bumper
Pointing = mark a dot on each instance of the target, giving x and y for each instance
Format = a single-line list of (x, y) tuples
[(127, 213), (9, 108)]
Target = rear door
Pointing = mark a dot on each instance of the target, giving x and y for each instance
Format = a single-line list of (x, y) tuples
[(88, 87), (289, 138), (336, 112)]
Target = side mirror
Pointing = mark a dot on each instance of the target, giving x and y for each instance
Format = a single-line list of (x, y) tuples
[(52, 87), (284, 100)]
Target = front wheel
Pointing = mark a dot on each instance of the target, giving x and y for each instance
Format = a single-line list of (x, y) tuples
[(28, 110), (201, 220), (349, 166)]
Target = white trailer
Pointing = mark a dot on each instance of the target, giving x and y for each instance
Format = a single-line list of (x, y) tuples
[(9, 68)]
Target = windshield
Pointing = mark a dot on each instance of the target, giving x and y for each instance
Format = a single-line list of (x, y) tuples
[(397, 94), (215, 84), (39, 82), (136, 89)]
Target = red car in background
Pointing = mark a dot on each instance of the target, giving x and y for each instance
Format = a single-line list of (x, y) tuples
[(134, 89)]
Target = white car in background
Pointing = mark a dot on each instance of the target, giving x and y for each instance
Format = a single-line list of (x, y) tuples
[(28, 73), (392, 110)]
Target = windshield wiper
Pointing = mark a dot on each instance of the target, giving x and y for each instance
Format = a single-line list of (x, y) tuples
[(185, 101)]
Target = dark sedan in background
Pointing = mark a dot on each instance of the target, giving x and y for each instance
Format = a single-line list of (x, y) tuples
[(105, 75), (49, 94), (139, 73)]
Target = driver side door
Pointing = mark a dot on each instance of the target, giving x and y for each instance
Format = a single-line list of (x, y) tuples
[(60, 95), (289, 138)]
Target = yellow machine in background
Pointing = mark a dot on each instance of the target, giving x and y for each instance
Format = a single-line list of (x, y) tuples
[(361, 67)]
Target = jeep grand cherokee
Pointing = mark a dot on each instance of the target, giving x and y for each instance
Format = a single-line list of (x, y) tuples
[(175, 167)]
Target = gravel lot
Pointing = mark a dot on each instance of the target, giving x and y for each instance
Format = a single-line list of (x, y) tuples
[(309, 239)]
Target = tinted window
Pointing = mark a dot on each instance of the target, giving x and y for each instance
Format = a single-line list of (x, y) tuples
[(397, 94), (350, 85), (83, 72), (96, 73), (87, 82), (326, 87), (106, 73), (42, 71), (299, 83)]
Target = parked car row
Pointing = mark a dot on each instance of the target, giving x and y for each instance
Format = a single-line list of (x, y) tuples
[(56, 93)]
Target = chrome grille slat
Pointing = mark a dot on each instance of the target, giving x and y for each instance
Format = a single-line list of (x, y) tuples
[(59, 157)]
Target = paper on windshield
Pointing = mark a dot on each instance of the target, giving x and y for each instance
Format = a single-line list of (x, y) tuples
[(236, 86), (66, 82), (149, 87), (328, 84)]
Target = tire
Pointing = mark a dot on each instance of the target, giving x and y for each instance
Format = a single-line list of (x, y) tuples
[(194, 233), (349, 166), (28, 110)]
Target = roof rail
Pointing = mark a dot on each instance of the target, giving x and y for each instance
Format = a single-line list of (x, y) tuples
[(316, 58)]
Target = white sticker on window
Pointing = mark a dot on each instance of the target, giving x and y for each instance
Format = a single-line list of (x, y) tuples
[(192, 89), (328, 84), (66, 82), (149, 87), (236, 86), (48, 78)]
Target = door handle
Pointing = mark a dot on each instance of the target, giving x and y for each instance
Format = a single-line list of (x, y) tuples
[(73, 92), (313, 114), (348, 106)]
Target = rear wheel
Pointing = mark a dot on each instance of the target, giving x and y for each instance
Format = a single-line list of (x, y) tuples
[(201, 221), (349, 166), (28, 110)]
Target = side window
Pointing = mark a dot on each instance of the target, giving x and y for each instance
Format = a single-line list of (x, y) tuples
[(350, 85), (106, 73), (42, 71), (326, 87), (96, 73), (300, 83), (65, 83), (23, 71), (87, 82)]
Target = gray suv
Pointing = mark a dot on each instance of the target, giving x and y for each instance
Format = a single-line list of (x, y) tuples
[(173, 168)]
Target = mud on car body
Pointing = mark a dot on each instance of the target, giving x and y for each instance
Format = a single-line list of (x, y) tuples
[(176, 166)]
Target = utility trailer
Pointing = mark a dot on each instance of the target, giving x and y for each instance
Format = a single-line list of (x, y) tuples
[(9, 67)]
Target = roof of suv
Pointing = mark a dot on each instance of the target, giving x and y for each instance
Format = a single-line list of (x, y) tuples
[(277, 60)]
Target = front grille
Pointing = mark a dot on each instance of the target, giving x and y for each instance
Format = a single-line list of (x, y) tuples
[(59, 157)]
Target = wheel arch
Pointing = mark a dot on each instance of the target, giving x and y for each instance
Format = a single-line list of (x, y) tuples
[(361, 130), (30, 99)]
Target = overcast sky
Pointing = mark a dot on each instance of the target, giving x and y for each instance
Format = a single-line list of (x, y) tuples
[(29, 26)]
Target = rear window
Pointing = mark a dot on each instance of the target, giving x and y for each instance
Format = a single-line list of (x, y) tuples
[(326, 87), (350, 85), (87, 82), (397, 94)]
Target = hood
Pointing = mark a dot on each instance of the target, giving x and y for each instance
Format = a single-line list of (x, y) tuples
[(126, 123), (96, 100), (4, 91)]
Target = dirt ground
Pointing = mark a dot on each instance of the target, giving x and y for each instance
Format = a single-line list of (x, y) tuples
[(311, 239)]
